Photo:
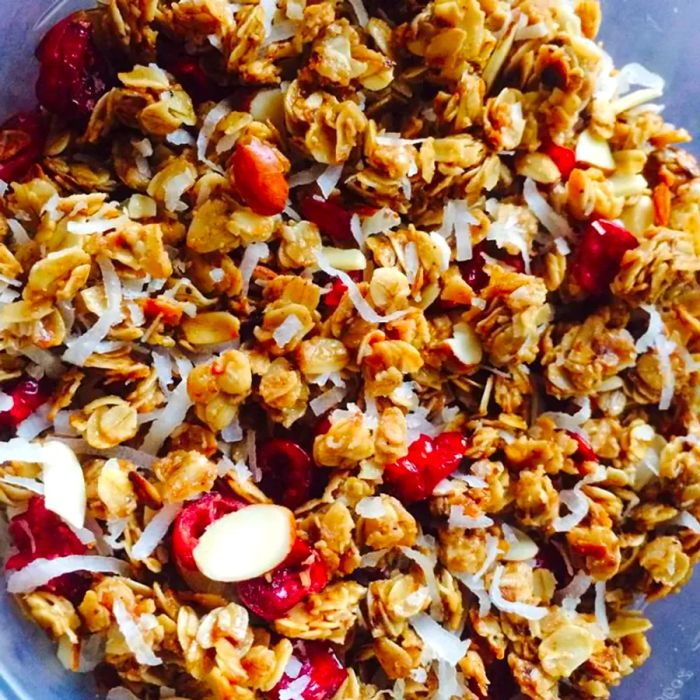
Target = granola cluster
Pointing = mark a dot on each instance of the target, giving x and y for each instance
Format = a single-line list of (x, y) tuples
[(422, 274)]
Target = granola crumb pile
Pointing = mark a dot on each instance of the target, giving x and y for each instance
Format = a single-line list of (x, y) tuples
[(348, 350)]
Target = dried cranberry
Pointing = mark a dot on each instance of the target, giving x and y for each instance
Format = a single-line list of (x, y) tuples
[(73, 74), (273, 595), (585, 451), (286, 469), (330, 215), (319, 678), (414, 477), (335, 296), (194, 519), (39, 533), (550, 557), (27, 395), (564, 158), (599, 254), (189, 73), (22, 139), (473, 271)]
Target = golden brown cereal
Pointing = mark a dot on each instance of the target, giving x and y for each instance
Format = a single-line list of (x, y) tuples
[(449, 319)]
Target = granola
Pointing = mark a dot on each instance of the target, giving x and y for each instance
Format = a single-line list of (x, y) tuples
[(347, 350)]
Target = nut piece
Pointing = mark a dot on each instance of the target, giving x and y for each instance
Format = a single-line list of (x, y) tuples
[(465, 345), (595, 151), (64, 483), (246, 544)]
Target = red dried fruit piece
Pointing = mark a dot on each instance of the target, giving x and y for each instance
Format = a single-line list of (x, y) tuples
[(287, 470), (39, 533), (319, 678), (22, 139), (193, 520), (258, 172), (27, 395), (473, 271), (414, 477), (330, 215), (73, 74), (599, 254), (188, 71), (336, 294), (564, 158), (585, 452), (273, 595)]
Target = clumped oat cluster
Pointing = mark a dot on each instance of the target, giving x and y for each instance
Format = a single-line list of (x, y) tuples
[(348, 350)]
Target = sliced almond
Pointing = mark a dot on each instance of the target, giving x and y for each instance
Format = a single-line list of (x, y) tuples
[(635, 99), (246, 544), (348, 259), (520, 546), (64, 483), (465, 345), (268, 105), (595, 151)]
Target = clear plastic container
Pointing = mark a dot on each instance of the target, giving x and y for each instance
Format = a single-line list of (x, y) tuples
[(661, 34)]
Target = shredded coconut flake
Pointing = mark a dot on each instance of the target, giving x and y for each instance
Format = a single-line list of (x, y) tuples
[(329, 179), (133, 635), (443, 644), (685, 519), (578, 504), (23, 482), (411, 262), (371, 507), (458, 519), (356, 230), (79, 349), (601, 615), (252, 256), (19, 233), (216, 114), (637, 74), (164, 370), (655, 337), (360, 12), (34, 424), (306, 177), (555, 223), (509, 233), (427, 564), (529, 612), (233, 431), (380, 222), (326, 401), (286, 331), (570, 596), (359, 302), (41, 571), (180, 137), (170, 418), (155, 531)]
